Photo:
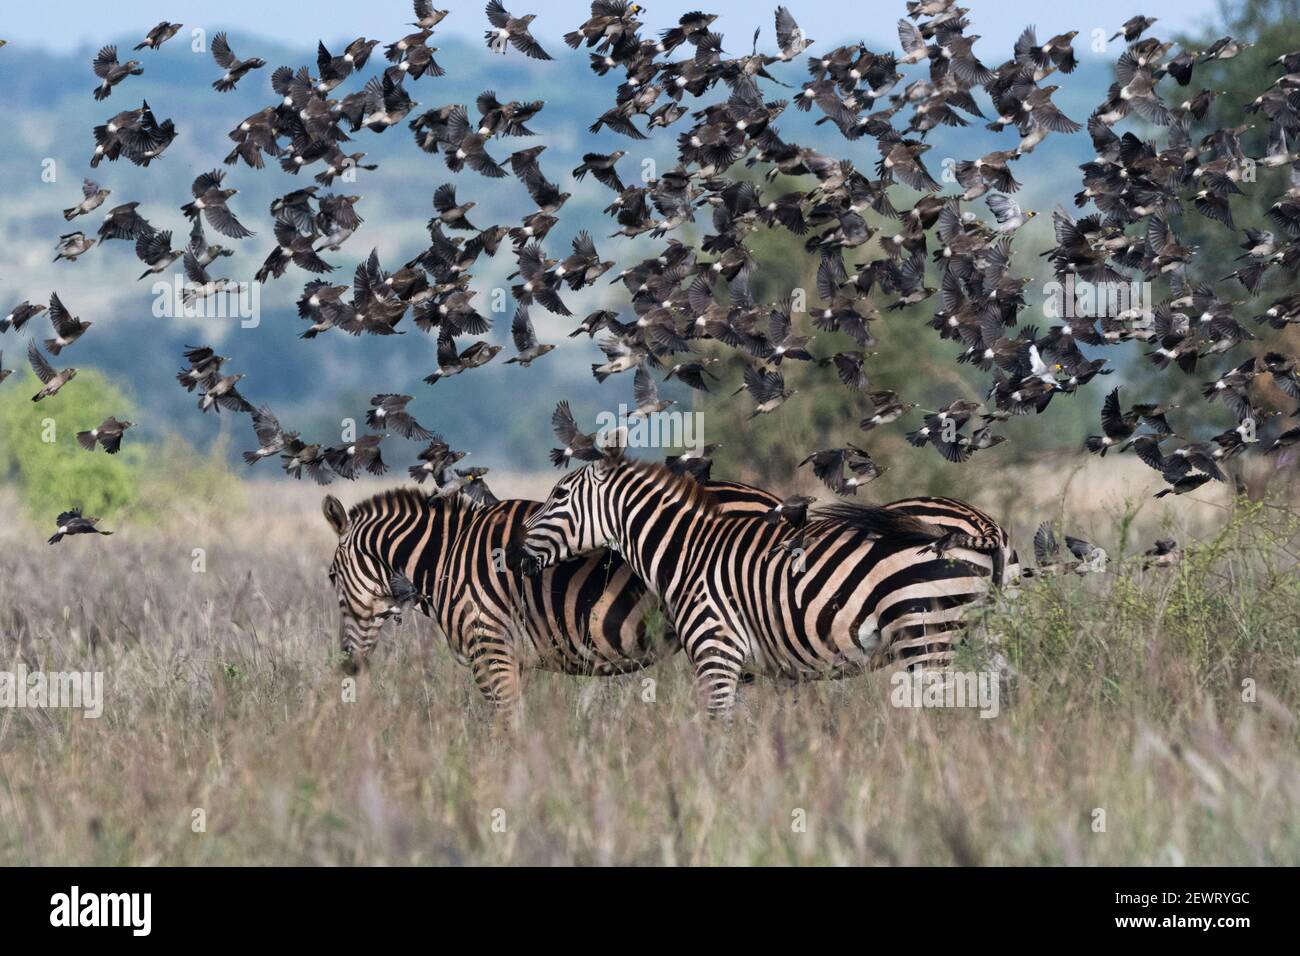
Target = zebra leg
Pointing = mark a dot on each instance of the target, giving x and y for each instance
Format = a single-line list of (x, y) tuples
[(717, 656), (495, 666)]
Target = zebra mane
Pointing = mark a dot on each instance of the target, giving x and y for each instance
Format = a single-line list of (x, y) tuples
[(885, 522), (381, 503), (692, 492)]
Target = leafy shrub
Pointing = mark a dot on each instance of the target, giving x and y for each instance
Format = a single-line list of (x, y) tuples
[(39, 455)]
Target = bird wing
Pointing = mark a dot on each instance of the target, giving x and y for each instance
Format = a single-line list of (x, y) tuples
[(104, 61), (523, 42), (564, 424), (205, 181), (266, 425), (1045, 546), (444, 197), (221, 51), (521, 330), (498, 15), (60, 317), (224, 221), (43, 369), (644, 389), (1002, 207), (1112, 419), (193, 271)]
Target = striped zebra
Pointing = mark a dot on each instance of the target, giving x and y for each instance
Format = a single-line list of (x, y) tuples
[(868, 586), (588, 616)]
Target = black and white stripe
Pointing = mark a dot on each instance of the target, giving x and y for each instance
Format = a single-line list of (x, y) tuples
[(864, 589), (587, 616)]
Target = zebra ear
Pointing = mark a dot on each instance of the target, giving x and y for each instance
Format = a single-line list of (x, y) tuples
[(335, 514)]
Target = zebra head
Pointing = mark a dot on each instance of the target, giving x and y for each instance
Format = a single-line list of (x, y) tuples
[(370, 593), (572, 520)]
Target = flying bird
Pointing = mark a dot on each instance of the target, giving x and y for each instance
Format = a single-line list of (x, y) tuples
[(108, 434), (51, 380), (235, 68), (74, 522), (512, 30)]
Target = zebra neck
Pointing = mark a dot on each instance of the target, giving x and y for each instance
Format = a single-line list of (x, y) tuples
[(421, 549), (658, 534)]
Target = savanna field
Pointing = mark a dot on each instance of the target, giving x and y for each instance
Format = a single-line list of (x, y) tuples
[(1054, 275), (1122, 692)]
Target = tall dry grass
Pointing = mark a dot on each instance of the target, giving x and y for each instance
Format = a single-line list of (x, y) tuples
[(1122, 692)]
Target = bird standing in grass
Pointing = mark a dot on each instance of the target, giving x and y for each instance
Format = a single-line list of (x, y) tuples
[(1047, 553)]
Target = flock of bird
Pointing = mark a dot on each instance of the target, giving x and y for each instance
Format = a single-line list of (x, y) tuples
[(880, 248)]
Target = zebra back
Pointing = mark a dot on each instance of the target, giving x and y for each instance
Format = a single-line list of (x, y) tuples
[(823, 600)]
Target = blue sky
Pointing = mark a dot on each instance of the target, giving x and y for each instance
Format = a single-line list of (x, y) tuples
[(75, 24)]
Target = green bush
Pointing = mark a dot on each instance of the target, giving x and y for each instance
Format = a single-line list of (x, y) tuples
[(40, 456)]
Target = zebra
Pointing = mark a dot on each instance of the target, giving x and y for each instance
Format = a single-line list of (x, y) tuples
[(446, 555), (867, 586)]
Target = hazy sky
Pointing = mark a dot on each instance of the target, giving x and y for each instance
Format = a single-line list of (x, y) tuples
[(73, 24)]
